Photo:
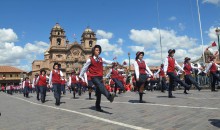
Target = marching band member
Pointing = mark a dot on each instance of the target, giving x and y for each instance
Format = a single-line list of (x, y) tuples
[(42, 82), (212, 68), (63, 85), (162, 77), (141, 73), (36, 86), (169, 69), (187, 67), (26, 84), (55, 81), (73, 82), (95, 66), (113, 72), (89, 83)]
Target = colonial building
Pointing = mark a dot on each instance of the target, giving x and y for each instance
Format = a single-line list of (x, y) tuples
[(10, 74), (71, 56)]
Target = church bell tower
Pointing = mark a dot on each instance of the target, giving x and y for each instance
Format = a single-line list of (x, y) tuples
[(88, 39), (57, 36)]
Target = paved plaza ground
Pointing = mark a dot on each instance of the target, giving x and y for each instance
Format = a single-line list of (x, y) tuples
[(195, 111)]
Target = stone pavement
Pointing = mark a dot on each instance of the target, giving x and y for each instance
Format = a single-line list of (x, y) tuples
[(195, 111)]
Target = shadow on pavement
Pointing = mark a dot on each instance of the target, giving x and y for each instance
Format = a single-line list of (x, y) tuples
[(48, 100), (162, 96), (215, 122), (137, 101), (94, 108), (62, 102), (75, 98), (90, 98)]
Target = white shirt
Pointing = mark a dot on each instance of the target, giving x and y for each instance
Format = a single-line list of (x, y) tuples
[(166, 65), (209, 66), (88, 62), (24, 83), (70, 79), (38, 77), (86, 78), (136, 68), (51, 72), (33, 82)]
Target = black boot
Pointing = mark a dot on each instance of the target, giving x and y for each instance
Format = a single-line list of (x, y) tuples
[(185, 91), (141, 96), (74, 95), (90, 96)]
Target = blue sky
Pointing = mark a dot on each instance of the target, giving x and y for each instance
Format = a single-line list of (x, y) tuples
[(122, 26)]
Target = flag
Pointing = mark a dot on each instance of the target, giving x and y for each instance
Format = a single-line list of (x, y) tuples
[(124, 63), (214, 44), (114, 58)]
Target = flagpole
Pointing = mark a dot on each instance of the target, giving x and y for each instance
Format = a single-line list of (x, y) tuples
[(200, 25), (158, 18)]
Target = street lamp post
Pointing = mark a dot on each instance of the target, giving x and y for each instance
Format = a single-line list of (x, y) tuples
[(129, 61), (218, 33)]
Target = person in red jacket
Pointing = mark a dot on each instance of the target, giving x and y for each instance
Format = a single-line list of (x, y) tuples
[(26, 84), (63, 85), (55, 81), (73, 82), (95, 66), (213, 67), (169, 69), (121, 79), (36, 86), (89, 83), (142, 73), (114, 73), (42, 82), (162, 78), (187, 67)]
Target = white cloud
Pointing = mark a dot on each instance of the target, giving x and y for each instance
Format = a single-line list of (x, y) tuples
[(120, 41), (172, 18), (104, 35), (181, 26), (215, 2), (7, 35), (39, 47), (106, 54), (136, 48), (108, 47), (212, 34), (149, 39), (14, 55)]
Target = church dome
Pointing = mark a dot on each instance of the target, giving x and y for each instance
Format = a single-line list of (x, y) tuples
[(46, 52), (88, 30), (57, 26)]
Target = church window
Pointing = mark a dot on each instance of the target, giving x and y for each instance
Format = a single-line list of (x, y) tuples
[(38, 66), (58, 41), (90, 43), (58, 33)]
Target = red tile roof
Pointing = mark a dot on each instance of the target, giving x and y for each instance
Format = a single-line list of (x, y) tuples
[(9, 69)]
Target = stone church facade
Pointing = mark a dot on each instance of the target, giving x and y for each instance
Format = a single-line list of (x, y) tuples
[(71, 56)]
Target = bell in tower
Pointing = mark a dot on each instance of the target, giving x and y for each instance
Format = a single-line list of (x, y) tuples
[(88, 39), (57, 36)]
